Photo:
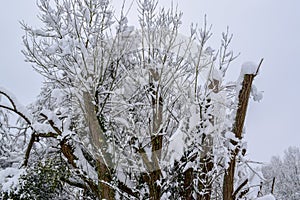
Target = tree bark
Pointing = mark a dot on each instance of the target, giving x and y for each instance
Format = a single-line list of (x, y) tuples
[(188, 184), (206, 186), (156, 138), (103, 159), (206, 156), (156, 142), (243, 99)]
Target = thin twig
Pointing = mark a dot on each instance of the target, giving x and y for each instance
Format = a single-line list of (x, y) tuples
[(260, 63), (239, 188)]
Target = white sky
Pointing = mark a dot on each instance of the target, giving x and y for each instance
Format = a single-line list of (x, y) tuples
[(268, 29)]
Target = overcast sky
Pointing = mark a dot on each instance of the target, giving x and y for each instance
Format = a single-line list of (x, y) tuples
[(268, 29)]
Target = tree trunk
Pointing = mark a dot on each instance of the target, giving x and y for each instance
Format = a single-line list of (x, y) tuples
[(154, 188), (188, 184), (156, 138), (244, 94), (98, 140), (105, 178), (206, 160), (206, 185)]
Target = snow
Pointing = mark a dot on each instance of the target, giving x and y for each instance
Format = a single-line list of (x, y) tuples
[(51, 116), (216, 75), (83, 164), (65, 134), (17, 106), (176, 145), (209, 51), (188, 166), (230, 135), (255, 179), (257, 95), (42, 128), (194, 118), (166, 196), (9, 178), (38, 32), (249, 68), (267, 197), (122, 121), (58, 94)]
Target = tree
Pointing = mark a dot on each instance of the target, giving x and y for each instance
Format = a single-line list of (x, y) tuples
[(133, 113), (286, 174)]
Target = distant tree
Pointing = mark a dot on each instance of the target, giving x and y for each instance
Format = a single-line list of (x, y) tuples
[(286, 172), (128, 113)]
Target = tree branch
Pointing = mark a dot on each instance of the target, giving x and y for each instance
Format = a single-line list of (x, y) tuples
[(17, 112), (29, 147), (239, 188)]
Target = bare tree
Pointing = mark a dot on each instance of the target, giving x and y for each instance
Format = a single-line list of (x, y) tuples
[(282, 175)]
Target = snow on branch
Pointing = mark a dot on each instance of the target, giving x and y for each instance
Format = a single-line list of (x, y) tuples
[(16, 106), (50, 128), (24, 113)]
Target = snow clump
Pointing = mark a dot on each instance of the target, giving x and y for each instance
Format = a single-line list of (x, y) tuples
[(249, 68)]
